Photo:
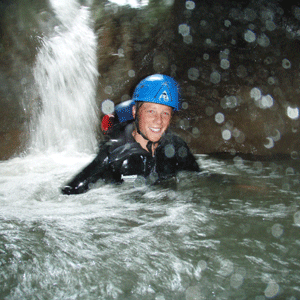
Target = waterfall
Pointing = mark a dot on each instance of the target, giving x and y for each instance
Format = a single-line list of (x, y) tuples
[(66, 75)]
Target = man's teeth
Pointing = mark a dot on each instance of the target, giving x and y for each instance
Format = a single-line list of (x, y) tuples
[(155, 129)]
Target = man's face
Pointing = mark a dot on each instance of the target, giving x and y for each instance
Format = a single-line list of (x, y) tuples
[(154, 119)]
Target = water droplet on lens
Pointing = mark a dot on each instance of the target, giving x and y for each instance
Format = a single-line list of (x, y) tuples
[(286, 64), (209, 111), (297, 218), (277, 230), (169, 151), (215, 77), (225, 64), (250, 36), (292, 113), (219, 118), (193, 74), (226, 134), (107, 107), (271, 290), (190, 5), (131, 73), (255, 93), (184, 29)]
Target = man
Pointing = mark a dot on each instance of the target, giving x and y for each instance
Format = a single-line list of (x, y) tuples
[(143, 146)]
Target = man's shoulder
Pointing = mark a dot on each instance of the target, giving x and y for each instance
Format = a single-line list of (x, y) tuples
[(172, 138), (121, 134)]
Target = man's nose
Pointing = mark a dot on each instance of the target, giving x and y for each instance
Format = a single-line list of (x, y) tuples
[(158, 118)]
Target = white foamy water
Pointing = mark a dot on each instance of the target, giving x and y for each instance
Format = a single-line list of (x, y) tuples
[(232, 228), (66, 76)]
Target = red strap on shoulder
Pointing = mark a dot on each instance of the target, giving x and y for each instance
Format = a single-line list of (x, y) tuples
[(107, 123)]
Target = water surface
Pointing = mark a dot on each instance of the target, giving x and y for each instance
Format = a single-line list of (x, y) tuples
[(230, 232)]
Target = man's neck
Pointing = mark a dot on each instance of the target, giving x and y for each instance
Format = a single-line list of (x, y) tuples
[(143, 142)]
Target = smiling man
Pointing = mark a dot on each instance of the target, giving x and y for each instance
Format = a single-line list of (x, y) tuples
[(144, 146)]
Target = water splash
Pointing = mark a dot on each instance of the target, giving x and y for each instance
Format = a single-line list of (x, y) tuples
[(65, 73)]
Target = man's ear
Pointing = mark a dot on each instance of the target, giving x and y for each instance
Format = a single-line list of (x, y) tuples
[(134, 111)]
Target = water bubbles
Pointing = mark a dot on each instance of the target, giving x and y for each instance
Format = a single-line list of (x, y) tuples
[(270, 143), (219, 118), (242, 71), (185, 105), (239, 136), (195, 292), (292, 113), (202, 264), (169, 151), (209, 111), (190, 5), (121, 52), (160, 297), (215, 77), (297, 13), (193, 74), (225, 64), (227, 23), (182, 152), (268, 60), (108, 90), (297, 218), (249, 36), (188, 39), (184, 29), (272, 289), (267, 101), (255, 94), (195, 132), (206, 56), (229, 102), (286, 64), (294, 155), (236, 280), (203, 23), (226, 267), (208, 42), (276, 136), (238, 161), (277, 230), (270, 25), (263, 41), (131, 73), (271, 80), (107, 107), (261, 101), (289, 171), (226, 134)]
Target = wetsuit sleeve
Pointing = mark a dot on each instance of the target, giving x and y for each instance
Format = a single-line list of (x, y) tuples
[(98, 168)]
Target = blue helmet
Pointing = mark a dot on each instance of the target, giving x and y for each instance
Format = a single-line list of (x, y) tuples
[(160, 89)]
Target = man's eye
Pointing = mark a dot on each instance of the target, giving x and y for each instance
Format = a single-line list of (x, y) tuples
[(151, 111)]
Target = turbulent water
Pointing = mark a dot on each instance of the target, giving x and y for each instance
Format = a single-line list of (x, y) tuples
[(230, 232)]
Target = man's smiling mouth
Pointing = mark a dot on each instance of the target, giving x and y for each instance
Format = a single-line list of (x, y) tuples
[(156, 130)]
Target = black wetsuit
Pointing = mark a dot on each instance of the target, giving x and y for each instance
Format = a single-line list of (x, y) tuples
[(122, 155)]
